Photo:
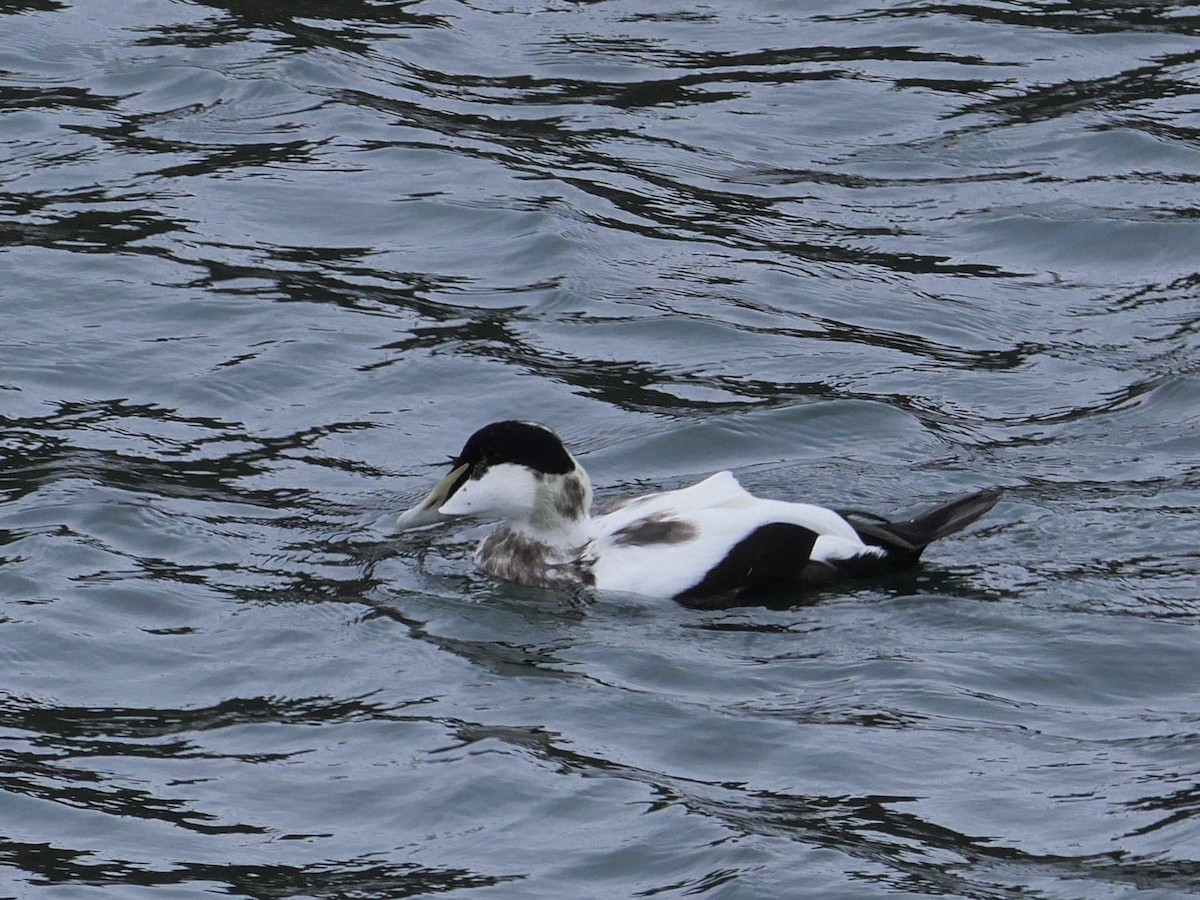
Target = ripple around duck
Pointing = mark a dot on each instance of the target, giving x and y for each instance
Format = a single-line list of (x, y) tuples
[(263, 265)]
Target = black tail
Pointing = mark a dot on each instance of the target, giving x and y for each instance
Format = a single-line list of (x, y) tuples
[(906, 539)]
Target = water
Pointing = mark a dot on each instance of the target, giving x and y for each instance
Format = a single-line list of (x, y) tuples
[(263, 263)]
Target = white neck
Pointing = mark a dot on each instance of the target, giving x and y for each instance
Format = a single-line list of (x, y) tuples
[(560, 514)]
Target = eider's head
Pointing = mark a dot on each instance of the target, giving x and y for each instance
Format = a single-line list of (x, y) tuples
[(517, 471)]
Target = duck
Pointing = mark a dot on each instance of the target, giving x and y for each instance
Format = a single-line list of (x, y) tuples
[(710, 545)]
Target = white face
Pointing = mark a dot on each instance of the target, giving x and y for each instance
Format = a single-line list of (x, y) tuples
[(505, 491)]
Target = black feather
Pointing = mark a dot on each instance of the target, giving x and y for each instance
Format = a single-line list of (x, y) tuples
[(520, 443), (772, 556), (906, 539)]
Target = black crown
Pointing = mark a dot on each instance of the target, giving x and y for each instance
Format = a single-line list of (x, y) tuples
[(520, 443)]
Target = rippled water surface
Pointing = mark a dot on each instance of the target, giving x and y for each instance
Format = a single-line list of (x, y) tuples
[(262, 263)]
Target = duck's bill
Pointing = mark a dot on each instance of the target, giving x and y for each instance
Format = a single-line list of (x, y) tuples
[(427, 511)]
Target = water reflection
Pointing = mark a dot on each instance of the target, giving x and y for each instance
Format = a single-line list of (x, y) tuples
[(1177, 807), (49, 864), (262, 259), (915, 853), (1165, 79), (185, 467), (1077, 18), (351, 27)]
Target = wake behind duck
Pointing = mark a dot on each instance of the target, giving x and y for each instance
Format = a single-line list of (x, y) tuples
[(706, 545)]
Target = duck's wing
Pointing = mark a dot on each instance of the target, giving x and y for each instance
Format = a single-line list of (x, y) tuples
[(721, 488), (729, 544), (721, 492)]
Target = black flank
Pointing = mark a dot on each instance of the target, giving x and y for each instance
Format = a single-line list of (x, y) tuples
[(770, 557)]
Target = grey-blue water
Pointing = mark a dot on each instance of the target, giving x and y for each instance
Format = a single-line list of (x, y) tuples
[(262, 263)]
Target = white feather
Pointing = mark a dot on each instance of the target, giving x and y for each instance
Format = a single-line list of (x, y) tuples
[(505, 491)]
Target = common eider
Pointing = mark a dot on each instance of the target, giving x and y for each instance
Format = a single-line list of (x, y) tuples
[(711, 544)]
